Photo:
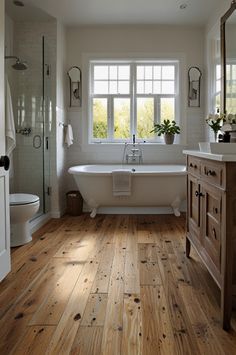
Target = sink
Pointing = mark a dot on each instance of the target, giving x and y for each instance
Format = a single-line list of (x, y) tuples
[(217, 148)]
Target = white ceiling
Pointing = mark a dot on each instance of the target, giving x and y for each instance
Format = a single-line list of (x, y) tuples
[(106, 12)]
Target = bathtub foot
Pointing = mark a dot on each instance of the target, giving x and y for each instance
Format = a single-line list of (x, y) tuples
[(93, 213), (176, 206)]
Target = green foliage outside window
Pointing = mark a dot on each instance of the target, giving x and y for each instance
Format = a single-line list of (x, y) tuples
[(100, 118), (145, 118)]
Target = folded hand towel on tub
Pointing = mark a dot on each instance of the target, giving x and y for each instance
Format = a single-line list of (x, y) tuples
[(121, 182)]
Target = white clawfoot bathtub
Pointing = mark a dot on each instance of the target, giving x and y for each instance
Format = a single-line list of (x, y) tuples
[(151, 186)]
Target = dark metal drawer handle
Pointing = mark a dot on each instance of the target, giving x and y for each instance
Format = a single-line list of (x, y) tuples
[(199, 194), (210, 173), (193, 166), (215, 210), (214, 232)]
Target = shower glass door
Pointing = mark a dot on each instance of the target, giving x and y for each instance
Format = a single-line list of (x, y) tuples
[(47, 112), (31, 90)]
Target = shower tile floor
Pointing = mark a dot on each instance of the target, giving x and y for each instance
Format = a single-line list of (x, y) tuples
[(111, 285)]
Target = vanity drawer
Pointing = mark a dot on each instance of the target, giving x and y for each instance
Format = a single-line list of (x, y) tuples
[(213, 173), (194, 165)]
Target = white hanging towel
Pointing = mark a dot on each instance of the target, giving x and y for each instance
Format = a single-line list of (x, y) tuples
[(9, 121), (121, 182), (69, 138)]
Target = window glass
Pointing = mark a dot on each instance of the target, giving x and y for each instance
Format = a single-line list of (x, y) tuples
[(101, 87), (145, 117), (168, 87), (167, 109), (113, 74), (124, 71), (140, 72), (101, 72), (140, 87), (121, 118), (168, 72), (100, 124), (156, 87), (148, 73), (148, 87), (157, 72), (123, 87), (113, 87)]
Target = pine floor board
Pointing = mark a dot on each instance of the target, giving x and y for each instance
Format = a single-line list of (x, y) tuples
[(113, 285)]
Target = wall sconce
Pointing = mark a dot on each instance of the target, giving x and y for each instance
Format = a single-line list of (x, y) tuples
[(74, 74), (194, 86)]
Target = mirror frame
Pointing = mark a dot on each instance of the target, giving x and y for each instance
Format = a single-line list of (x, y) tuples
[(223, 20)]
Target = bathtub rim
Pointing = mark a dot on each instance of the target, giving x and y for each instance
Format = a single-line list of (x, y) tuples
[(74, 170)]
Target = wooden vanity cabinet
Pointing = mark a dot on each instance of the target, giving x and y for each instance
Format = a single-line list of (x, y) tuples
[(211, 223)]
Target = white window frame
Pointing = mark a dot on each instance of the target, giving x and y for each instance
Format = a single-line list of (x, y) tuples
[(133, 98)]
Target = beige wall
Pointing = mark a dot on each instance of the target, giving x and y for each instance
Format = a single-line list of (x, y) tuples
[(150, 39)]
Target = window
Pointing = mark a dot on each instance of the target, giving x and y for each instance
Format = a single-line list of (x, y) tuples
[(127, 98), (231, 86), (217, 88)]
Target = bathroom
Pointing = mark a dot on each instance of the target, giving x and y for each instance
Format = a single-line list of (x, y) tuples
[(50, 39)]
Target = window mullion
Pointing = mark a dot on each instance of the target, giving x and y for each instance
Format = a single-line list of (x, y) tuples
[(133, 126), (158, 109), (155, 109), (110, 117)]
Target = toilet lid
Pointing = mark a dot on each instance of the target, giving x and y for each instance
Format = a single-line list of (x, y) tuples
[(22, 199)]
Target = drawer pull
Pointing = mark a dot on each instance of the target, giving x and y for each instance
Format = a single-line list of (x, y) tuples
[(214, 232), (215, 210), (193, 166), (199, 194), (210, 173)]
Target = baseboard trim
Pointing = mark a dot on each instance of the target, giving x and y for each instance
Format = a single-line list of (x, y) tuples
[(57, 214), (38, 222)]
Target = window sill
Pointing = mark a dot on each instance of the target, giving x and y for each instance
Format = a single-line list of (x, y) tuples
[(116, 144)]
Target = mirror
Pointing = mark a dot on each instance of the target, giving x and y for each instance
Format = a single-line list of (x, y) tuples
[(228, 59), (194, 84), (74, 74)]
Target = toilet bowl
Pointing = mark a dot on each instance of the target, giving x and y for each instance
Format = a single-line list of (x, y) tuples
[(22, 208)]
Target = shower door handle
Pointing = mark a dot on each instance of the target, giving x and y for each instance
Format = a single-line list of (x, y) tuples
[(5, 162)]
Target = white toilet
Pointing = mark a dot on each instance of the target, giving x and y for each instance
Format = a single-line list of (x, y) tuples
[(22, 208)]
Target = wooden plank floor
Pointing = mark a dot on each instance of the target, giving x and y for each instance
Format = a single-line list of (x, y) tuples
[(111, 285)]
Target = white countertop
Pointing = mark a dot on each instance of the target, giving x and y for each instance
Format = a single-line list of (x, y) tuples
[(219, 157)]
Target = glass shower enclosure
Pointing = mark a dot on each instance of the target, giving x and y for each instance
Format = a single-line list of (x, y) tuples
[(33, 115)]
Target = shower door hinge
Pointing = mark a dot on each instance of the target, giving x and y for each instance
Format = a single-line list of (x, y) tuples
[(49, 190)]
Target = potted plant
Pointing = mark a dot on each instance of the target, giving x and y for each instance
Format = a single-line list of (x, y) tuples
[(168, 129), (215, 122), (222, 122)]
